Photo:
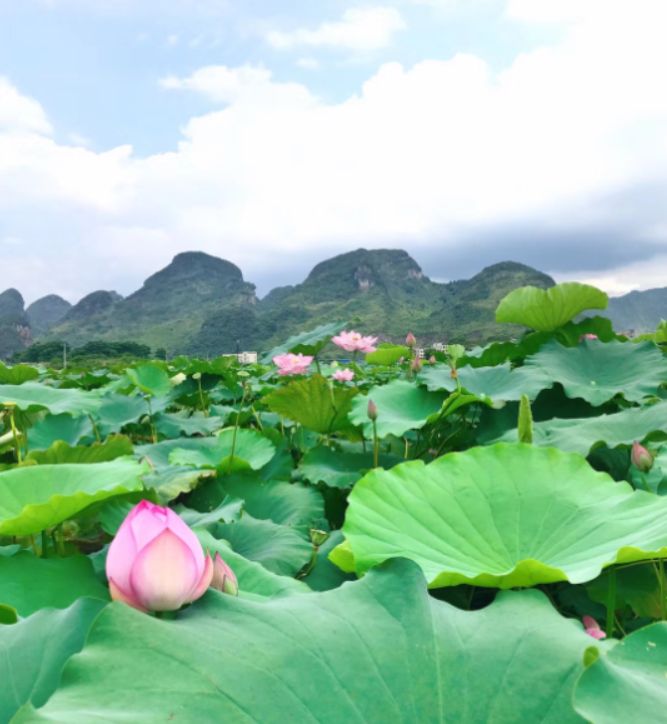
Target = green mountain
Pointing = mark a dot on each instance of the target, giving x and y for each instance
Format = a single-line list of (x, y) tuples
[(168, 310), (15, 331), (381, 292), (638, 312), (46, 312)]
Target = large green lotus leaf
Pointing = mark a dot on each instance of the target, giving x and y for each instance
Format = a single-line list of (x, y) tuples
[(63, 427), (61, 452), (629, 682), (598, 371), (150, 378), (339, 468), (17, 374), (309, 343), (282, 502), (505, 515), (314, 403), (33, 396), (548, 309), (33, 653), (232, 450), (376, 650), (581, 434), (117, 411), (499, 383), (401, 405), (173, 424), (37, 497), (388, 354), (279, 548), (254, 580), (28, 583)]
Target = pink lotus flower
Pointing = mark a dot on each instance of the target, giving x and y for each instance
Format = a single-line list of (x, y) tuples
[(223, 577), (343, 375), (355, 342), (155, 562), (592, 628), (589, 336), (292, 364)]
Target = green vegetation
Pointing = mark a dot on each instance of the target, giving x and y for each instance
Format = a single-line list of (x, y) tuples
[(503, 508)]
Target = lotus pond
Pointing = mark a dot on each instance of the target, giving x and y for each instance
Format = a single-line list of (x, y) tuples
[(478, 536)]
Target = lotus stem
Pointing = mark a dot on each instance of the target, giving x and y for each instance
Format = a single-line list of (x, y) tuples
[(611, 602)]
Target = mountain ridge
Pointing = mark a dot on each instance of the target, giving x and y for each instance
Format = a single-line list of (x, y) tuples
[(201, 304)]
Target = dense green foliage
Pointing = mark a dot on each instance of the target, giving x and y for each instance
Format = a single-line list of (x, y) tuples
[(430, 563)]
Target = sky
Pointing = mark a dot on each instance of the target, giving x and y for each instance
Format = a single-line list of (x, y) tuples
[(277, 133)]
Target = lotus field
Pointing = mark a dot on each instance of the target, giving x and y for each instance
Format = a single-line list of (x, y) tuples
[(475, 536)]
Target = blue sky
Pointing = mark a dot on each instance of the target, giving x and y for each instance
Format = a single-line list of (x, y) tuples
[(466, 131)]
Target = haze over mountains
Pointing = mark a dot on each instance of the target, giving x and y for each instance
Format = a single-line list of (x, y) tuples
[(200, 304)]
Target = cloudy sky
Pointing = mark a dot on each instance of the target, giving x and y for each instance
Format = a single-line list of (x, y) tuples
[(275, 133)]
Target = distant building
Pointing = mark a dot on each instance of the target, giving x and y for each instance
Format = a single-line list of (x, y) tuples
[(420, 352), (438, 347), (247, 358)]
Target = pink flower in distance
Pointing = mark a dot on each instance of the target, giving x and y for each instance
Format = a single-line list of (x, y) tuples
[(343, 375), (592, 628), (589, 336), (223, 577), (155, 562), (292, 364), (355, 342)]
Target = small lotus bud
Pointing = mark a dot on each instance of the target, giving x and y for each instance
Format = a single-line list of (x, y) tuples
[(178, 379), (223, 577), (372, 410), (410, 340), (70, 529), (592, 628), (641, 457), (432, 360), (416, 364), (196, 376), (588, 336), (317, 537)]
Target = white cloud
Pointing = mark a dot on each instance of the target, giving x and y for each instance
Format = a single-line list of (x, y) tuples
[(367, 28), (308, 63), (417, 155), (20, 113)]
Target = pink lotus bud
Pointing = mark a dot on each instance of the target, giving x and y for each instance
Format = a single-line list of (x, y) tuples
[(416, 364), (223, 577), (372, 410), (432, 360), (592, 628), (641, 457), (589, 336), (155, 562), (410, 340)]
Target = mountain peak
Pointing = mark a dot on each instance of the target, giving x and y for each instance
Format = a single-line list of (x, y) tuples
[(46, 312), (191, 265)]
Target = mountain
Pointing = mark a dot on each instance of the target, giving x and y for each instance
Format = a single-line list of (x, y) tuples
[(382, 292), (46, 312), (167, 311), (638, 311), (15, 331)]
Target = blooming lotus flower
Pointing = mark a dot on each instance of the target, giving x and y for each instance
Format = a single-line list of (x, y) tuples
[(155, 562), (355, 342), (641, 457), (292, 364), (592, 628), (343, 376), (223, 577)]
